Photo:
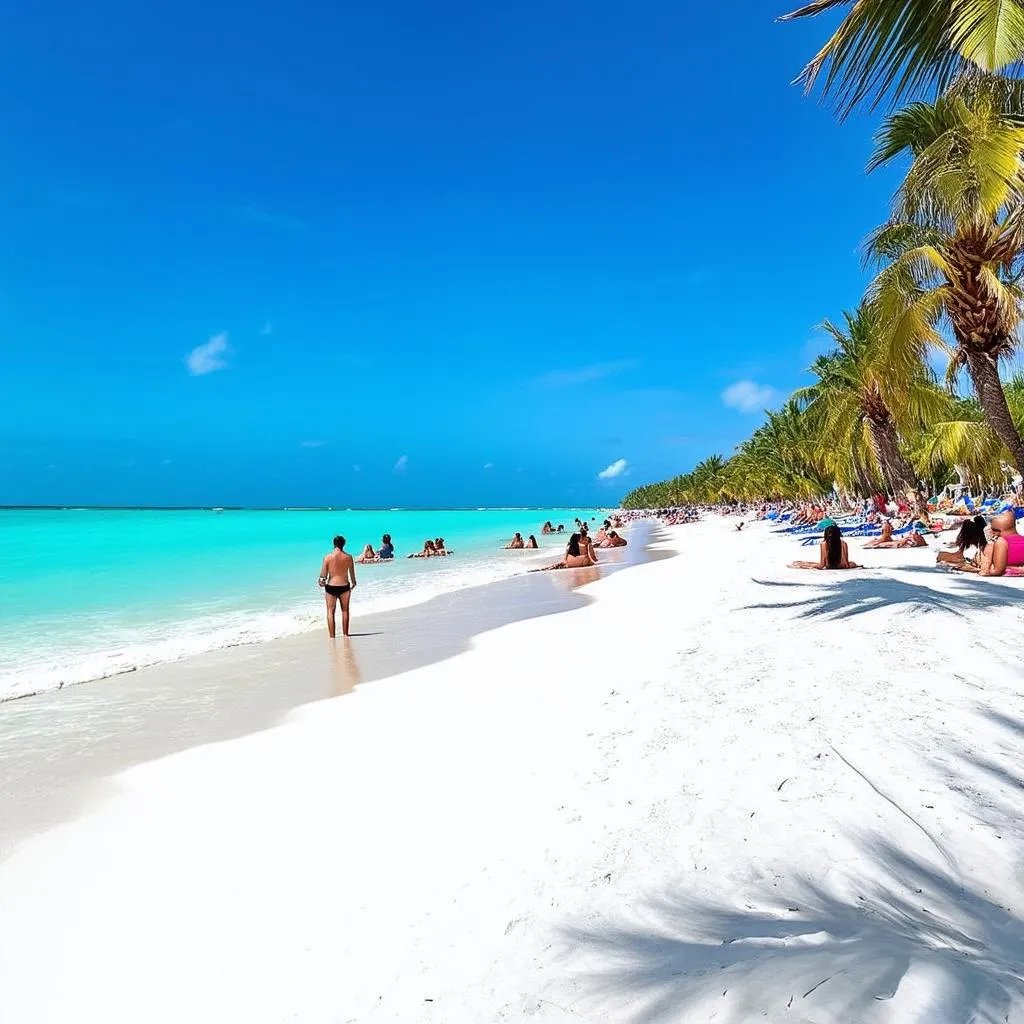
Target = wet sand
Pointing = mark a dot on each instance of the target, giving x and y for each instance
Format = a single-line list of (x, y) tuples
[(59, 748)]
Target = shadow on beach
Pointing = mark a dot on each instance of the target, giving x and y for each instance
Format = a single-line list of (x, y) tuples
[(845, 595), (799, 951)]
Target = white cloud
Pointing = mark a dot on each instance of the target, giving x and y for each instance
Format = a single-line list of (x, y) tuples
[(584, 374), (748, 396), (206, 358), (312, 444), (267, 328), (403, 461), (488, 465), (617, 468), (256, 215)]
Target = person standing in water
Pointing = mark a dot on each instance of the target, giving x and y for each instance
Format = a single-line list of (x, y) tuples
[(338, 579)]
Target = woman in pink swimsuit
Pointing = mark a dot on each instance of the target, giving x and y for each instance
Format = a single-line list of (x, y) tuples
[(1005, 555)]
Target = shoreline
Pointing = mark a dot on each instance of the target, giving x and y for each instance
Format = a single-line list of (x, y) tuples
[(125, 624), (59, 744), (732, 793)]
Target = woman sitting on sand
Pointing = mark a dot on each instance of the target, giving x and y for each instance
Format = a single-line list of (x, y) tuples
[(531, 543), (516, 543), (832, 554), (971, 538), (368, 555), (577, 556), (913, 539), (885, 541)]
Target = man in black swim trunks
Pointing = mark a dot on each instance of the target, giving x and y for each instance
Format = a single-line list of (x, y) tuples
[(338, 578)]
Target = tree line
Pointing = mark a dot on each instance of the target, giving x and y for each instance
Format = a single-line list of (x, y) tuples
[(947, 263)]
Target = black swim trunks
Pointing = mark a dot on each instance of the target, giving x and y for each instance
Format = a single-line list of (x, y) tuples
[(336, 591)]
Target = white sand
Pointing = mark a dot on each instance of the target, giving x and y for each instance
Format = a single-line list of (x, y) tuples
[(725, 791)]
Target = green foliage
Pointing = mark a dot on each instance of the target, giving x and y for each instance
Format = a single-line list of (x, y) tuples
[(890, 49)]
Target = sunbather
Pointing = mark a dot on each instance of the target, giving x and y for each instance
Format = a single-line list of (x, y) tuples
[(885, 540), (1005, 555), (832, 553), (969, 546), (576, 556)]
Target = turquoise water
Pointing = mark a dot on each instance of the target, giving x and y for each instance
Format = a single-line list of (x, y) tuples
[(88, 593)]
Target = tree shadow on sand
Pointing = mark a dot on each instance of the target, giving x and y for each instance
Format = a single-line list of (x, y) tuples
[(810, 954), (895, 938), (842, 598)]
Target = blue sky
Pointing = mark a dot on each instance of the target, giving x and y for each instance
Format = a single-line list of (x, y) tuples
[(408, 254)]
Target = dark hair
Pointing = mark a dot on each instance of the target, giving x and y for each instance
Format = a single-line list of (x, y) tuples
[(833, 547), (971, 535), (339, 541), (386, 538), (573, 548)]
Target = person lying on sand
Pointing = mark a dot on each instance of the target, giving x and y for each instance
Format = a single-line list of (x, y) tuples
[(969, 547), (516, 543), (832, 554), (914, 539), (613, 540), (885, 540), (1005, 555), (368, 555), (578, 555), (440, 549)]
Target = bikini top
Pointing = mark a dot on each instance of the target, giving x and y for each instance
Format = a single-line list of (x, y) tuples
[(1014, 548)]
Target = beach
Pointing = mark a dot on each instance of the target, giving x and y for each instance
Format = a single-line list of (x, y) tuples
[(705, 787), (161, 585)]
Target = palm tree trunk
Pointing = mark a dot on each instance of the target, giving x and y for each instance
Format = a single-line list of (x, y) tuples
[(984, 371), (895, 465)]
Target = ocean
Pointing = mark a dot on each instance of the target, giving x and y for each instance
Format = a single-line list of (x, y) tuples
[(89, 593)]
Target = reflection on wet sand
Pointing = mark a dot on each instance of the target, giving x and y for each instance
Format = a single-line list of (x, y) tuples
[(345, 674), (57, 748)]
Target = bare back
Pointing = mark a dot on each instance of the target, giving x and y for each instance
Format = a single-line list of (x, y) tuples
[(339, 569)]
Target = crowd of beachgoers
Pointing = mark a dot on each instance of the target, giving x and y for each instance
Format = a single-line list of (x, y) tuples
[(606, 536), (986, 540)]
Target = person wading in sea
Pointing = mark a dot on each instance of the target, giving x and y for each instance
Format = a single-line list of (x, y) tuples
[(338, 578)]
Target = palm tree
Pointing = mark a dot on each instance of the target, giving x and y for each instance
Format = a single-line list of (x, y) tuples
[(781, 459), (966, 442), (952, 252), (893, 48), (861, 408)]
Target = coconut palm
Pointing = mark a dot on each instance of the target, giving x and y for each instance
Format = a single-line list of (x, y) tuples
[(966, 442), (781, 459), (889, 49), (863, 409), (952, 252)]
